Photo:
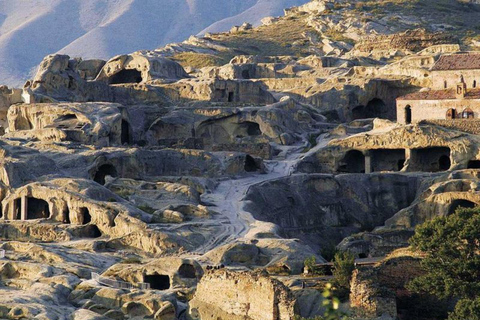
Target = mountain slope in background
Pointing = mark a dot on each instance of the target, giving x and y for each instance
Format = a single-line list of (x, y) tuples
[(32, 29)]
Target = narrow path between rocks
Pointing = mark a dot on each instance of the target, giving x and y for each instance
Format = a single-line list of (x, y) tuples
[(227, 199)]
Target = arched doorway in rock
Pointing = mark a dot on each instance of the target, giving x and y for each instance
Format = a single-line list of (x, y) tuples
[(247, 129), (460, 203), (66, 215), (125, 135), (250, 164), (37, 209), (84, 217), (157, 281), (358, 112), (126, 76), (352, 162), (408, 114), (444, 163), (91, 231), (375, 108), (17, 203), (187, 271), (103, 171)]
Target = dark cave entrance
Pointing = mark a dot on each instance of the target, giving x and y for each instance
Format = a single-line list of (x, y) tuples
[(187, 271), (18, 209), (231, 97), (375, 108), (444, 163), (126, 76), (253, 129), (353, 162), (157, 281), (387, 159), (85, 217), (92, 231), (125, 137), (37, 209), (250, 164), (473, 164), (460, 203), (246, 74), (66, 215), (433, 159), (103, 171)]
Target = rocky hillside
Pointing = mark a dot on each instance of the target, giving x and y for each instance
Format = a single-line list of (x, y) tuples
[(31, 29), (350, 29)]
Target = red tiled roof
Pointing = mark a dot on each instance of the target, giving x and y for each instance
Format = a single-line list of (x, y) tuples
[(463, 61), (448, 94)]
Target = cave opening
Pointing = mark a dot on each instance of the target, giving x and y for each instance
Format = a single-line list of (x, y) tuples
[(18, 208), (246, 74), (444, 163), (387, 159), (473, 164), (187, 271), (157, 281), (103, 171), (250, 164), (432, 159), (231, 97), (92, 231), (358, 112), (66, 215), (125, 136), (352, 162), (85, 217), (460, 203), (253, 129), (37, 209), (126, 76)]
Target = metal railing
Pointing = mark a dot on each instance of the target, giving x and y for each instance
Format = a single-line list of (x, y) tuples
[(119, 284)]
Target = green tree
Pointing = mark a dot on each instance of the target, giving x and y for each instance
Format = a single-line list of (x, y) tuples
[(466, 309), (310, 263), (343, 266), (452, 260)]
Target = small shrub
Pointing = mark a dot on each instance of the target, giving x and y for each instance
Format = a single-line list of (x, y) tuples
[(343, 266), (310, 263), (131, 260)]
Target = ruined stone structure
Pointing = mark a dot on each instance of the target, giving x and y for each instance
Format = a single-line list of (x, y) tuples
[(235, 296)]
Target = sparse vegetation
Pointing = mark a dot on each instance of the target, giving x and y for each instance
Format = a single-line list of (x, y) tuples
[(131, 260), (199, 60)]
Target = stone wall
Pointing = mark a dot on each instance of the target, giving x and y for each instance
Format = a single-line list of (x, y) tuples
[(451, 78), (375, 291), (434, 109), (223, 294)]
